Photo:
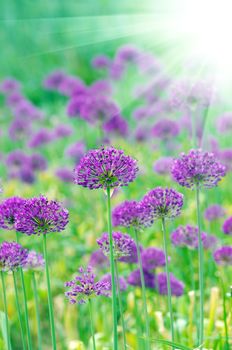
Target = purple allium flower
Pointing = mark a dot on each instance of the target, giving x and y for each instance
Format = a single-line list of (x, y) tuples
[(165, 129), (163, 202), (98, 109), (38, 162), (116, 70), (19, 129), (9, 86), (71, 86), (64, 174), (142, 134), (9, 208), (187, 236), (214, 212), (16, 159), (34, 261), (133, 257), (26, 174), (76, 151), (101, 87), (152, 258), (224, 124), (225, 157), (25, 109), (39, 215), (123, 244), (223, 255), (12, 256), (197, 168), (98, 259), (84, 287), (62, 130), (135, 280), (127, 53), (227, 226), (132, 214), (105, 168), (116, 125), (177, 287), (101, 62), (14, 99), (54, 79), (122, 282), (163, 165), (41, 137)]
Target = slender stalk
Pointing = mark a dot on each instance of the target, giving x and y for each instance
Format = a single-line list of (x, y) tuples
[(50, 305), (114, 295), (227, 345), (168, 279), (34, 284), (120, 306), (201, 272), (147, 325), (25, 302), (19, 312), (91, 324), (5, 310)]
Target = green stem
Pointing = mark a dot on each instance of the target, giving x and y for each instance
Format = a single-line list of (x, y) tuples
[(37, 310), (168, 278), (201, 272), (50, 305), (147, 325), (120, 305), (91, 324), (19, 312), (25, 301), (5, 310), (224, 315), (114, 296)]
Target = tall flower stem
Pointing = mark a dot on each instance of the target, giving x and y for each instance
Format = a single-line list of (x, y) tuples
[(91, 323), (25, 302), (227, 345), (120, 306), (114, 295), (34, 285), (19, 312), (50, 305), (201, 271), (168, 278), (5, 310), (147, 325)]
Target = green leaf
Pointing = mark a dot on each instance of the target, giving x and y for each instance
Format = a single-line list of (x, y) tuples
[(172, 344)]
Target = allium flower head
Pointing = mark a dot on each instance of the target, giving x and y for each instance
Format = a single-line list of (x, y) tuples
[(122, 282), (227, 226), (105, 168), (163, 165), (214, 212), (123, 244), (83, 287), (34, 261), (152, 258), (98, 259), (187, 236), (8, 211), (64, 174), (163, 202), (197, 168), (132, 214), (135, 280), (177, 287), (165, 129), (41, 216), (223, 255), (12, 256)]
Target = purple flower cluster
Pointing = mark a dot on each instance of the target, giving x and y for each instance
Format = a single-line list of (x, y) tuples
[(223, 255), (214, 212), (227, 226), (41, 216), (122, 282), (132, 214), (8, 211), (12, 256), (152, 258), (84, 287), (165, 129), (76, 151), (123, 244), (105, 168), (116, 125), (197, 168), (134, 279), (98, 259), (163, 202), (177, 287), (34, 261), (163, 165), (64, 174)]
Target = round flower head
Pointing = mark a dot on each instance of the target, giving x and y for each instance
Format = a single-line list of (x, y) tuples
[(98, 259), (163, 165), (39, 215), (122, 282), (223, 255), (12, 256), (187, 236), (197, 168), (165, 129), (34, 261), (83, 287), (8, 210), (177, 287), (163, 202), (132, 214), (152, 258), (105, 168), (214, 212), (123, 244), (227, 226), (135, 280)]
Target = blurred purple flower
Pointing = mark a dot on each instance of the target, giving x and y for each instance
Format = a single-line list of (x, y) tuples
[(116, 125), (34, 261), (54, 79), (224, 123), (100, 62), (98, 259), (64, 174), (135, 280), (40, 138), (163, 165), (38, 162), (76, 151), (152, 258), (12, 256), (9, 86), (165, 129), (62, 130), (19, 129), (122, 282), (223, 255), (227, 226), (177, 287), (9, 208), (214, 212)]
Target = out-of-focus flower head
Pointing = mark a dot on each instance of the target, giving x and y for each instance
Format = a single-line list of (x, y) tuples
[(177, 287), (223, 255), (9, 208), (76, 151), (224, 123), (40, 138), (101, 62), (9, 86), (152, 258), (12, 256), (227, 226), (165, 129), (34, 261), (64, 174), (62, 130), (122, 282), (134, 279), (163, 165), (116, 125), (98, 259), (214, 212)]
